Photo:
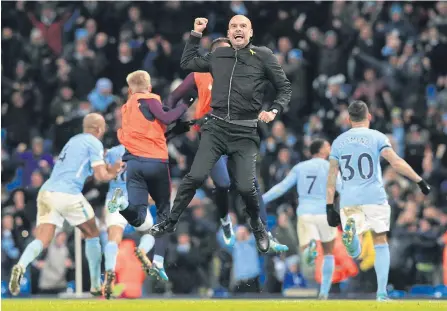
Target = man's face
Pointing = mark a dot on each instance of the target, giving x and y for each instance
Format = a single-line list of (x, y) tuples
[(325, 150), (239, 31)]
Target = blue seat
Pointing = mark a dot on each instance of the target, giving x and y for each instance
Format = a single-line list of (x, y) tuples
[(441, 290), (397, 294), (422, 290), (271, 222)]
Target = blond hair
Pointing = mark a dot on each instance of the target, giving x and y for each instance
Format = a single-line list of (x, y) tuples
[(139, 80)]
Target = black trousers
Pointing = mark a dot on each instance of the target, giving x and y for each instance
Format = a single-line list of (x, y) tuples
[(241, 144), (148, 176)]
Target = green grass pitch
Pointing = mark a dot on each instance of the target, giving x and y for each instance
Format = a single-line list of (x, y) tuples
[(218, 305)]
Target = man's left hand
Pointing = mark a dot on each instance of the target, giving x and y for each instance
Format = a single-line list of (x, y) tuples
[(267, 116)]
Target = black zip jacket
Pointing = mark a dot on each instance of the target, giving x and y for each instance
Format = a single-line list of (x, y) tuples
[(240, 77)]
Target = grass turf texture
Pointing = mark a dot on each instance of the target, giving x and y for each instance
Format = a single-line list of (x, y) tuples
[(218, 305)]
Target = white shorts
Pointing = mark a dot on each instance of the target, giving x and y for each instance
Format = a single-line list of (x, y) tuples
[(368, 217), (55, 207), (314, 227), (115, 219)]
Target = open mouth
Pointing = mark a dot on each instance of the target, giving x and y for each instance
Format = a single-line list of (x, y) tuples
[(239, 37)]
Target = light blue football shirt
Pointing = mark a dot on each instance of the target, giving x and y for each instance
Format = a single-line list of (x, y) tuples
[(75, 164), (114, 154), (358, 154), (310, 177)]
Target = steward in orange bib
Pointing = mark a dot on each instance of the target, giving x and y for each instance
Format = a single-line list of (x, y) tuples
[(142, 134)]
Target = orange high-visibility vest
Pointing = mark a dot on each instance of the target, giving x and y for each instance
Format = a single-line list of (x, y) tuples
[(345, 267), (128, 270)]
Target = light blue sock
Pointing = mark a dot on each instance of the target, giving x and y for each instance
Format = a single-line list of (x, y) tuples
[(382, 266), (31, 252), (146, 243), (159, 261), (93, 254), (355, 249), (326, 274), (110, 254)]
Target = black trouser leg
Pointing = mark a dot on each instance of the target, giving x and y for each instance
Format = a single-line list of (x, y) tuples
[(211, 147), (221, 178), (262, 206), (242, 166)]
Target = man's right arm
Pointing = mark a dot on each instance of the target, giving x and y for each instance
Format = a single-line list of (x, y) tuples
[(186, 88), (281, 188), (191, 59)]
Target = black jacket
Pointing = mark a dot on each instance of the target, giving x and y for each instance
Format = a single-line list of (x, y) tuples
[(240, 77)]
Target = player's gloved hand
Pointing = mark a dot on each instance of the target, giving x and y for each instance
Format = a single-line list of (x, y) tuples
[(333, 218), (178, 128), (425, 188)]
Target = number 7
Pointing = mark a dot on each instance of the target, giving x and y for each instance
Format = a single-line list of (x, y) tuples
[(312, 183)]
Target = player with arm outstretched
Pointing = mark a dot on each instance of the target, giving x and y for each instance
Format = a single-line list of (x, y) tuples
[(60, 198), (310, 179), (116, 223), (363, 204)]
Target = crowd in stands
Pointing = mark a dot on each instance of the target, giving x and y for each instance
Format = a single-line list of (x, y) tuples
[(62, 60)]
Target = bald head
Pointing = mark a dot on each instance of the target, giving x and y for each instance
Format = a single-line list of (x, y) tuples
[(240, 31), (94, 124)]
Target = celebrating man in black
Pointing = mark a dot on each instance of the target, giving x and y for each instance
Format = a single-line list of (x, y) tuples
[(240, 75)]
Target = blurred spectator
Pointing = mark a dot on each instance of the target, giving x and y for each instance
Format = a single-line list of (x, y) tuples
[(54, 267), (245, 262), (101, 97), (10, 252)]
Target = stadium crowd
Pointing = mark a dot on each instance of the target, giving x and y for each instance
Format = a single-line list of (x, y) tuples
[(62, 60)]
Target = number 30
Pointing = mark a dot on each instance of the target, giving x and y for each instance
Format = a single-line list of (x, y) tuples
[(348, 157)]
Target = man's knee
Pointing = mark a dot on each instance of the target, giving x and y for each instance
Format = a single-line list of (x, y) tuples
[(135, 214), (380, 238), (196, 179), (246, 188), (89, 229)]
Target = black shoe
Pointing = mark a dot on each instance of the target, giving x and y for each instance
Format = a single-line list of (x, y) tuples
[(166, 226), (262, 238)]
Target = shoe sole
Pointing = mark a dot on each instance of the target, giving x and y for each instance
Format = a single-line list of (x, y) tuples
[(16, 277), (145, 262), (312, 252), (108, 287), (116, 194), (154, 272), (348, 232)]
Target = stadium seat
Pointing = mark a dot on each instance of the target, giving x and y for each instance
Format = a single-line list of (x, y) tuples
[(271, 222), (440, 291), (397, 294), (422, 290)]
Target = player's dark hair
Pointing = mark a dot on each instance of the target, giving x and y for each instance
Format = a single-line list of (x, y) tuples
[(316, 145), (219, 41), (358, 111)]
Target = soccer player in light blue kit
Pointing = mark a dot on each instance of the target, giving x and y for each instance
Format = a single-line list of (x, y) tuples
[(310, 178), (116, 223), (363, 204), (60, 198)]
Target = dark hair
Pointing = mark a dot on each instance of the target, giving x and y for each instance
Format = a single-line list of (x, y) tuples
[(358, 111), (219, 41), (316, 145)]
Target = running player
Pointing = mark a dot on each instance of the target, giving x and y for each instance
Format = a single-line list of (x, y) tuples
[(363, 204), (202, 83), (310, 177), (61, 198), (116, 223), (143, 136)]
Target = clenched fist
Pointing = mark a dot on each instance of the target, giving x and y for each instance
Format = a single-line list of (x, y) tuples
[(200, 24)]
